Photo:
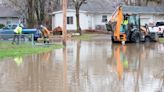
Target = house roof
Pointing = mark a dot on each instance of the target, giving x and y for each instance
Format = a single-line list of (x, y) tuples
[(101, 7), (8, 12), (107, 6), (68, 10), (98, 6), (143, 9)]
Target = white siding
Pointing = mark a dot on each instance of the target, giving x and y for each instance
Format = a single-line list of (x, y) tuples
[(90, 21), (94, 21), (53, 22), (98, 20), (159, 18), (84, 21), (146, 18), (12, 20), (58, 20), (71, 26)]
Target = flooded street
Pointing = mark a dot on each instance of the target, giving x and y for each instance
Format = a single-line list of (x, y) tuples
[(87, 66)]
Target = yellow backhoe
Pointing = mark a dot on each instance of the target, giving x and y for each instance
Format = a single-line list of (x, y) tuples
[(126, 28)]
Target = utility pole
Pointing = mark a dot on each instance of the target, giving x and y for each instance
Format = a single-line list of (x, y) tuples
[(64, 21)]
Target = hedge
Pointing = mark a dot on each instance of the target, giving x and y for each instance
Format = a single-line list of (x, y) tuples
[(2, 25)]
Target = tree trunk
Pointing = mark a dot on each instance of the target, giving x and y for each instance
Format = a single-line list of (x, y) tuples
[(42, 11), (147, 2), (139, 2), (78, 21), (30, 14), (126, 2), (37, 12)]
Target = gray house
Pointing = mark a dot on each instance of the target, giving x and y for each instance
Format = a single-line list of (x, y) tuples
[(8, 15), (94, 14)]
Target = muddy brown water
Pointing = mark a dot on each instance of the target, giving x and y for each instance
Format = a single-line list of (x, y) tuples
[(87, 66)]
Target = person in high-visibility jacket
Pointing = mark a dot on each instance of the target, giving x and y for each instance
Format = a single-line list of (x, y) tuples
[(17, 33), (125, 23), (45, 33)]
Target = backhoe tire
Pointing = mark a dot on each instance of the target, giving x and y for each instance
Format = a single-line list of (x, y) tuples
[(113, 41), (163, 34), (112, 38), (156, 38), (135, 37), (147, 39)]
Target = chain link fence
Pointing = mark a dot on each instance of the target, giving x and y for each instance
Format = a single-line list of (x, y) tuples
[(17, 39)]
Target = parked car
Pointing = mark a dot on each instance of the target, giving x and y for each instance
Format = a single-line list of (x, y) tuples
[(159, 28), (7, 30)]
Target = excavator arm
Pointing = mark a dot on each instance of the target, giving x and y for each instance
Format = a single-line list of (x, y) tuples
[(117, 18)]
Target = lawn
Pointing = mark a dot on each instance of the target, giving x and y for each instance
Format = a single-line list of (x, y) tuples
[(161, 40), (9, 50)]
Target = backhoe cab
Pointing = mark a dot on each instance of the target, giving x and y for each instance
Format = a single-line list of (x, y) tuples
[(126, 28)]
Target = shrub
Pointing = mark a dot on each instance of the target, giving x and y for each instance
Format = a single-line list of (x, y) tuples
[(2, 25)]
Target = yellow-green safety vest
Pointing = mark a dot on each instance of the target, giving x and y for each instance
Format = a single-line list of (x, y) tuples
[(125, 22), (18, 30)]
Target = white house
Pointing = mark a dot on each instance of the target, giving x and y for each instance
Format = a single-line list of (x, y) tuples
[(95, 14), (8, 15), (87, 20)]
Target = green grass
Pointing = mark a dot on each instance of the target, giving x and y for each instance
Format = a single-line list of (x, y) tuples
[(161, 40), (84, 37), (9, 50)]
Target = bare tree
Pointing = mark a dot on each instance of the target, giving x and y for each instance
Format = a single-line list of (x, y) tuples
[(40, 11), (139, 3), (30, 17), (126, 1), (77, 4), (25, 8), (146, 2), (143, 2), (158, 2), (34, 11)]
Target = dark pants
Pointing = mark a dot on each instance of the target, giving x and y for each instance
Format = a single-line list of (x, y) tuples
[(46, 39), (35, 39), (16, 36)]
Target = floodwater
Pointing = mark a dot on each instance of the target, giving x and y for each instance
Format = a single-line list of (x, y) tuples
[(87, 66)]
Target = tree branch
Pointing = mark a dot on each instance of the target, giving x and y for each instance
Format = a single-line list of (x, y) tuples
[(81, 2), (74, 1)]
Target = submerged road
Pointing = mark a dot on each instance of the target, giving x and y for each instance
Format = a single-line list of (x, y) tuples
[(87, 66)]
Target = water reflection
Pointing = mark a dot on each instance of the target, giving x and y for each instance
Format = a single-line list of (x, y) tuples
[(141, 59), (87, 66), (65, 69), (121, 61), (18, 60)]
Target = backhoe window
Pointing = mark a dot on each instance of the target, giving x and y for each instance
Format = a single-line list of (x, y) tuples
[(134, 20)]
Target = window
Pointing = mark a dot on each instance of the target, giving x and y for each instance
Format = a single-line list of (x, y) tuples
[(70, 20), (104, 18), (8, 22)]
